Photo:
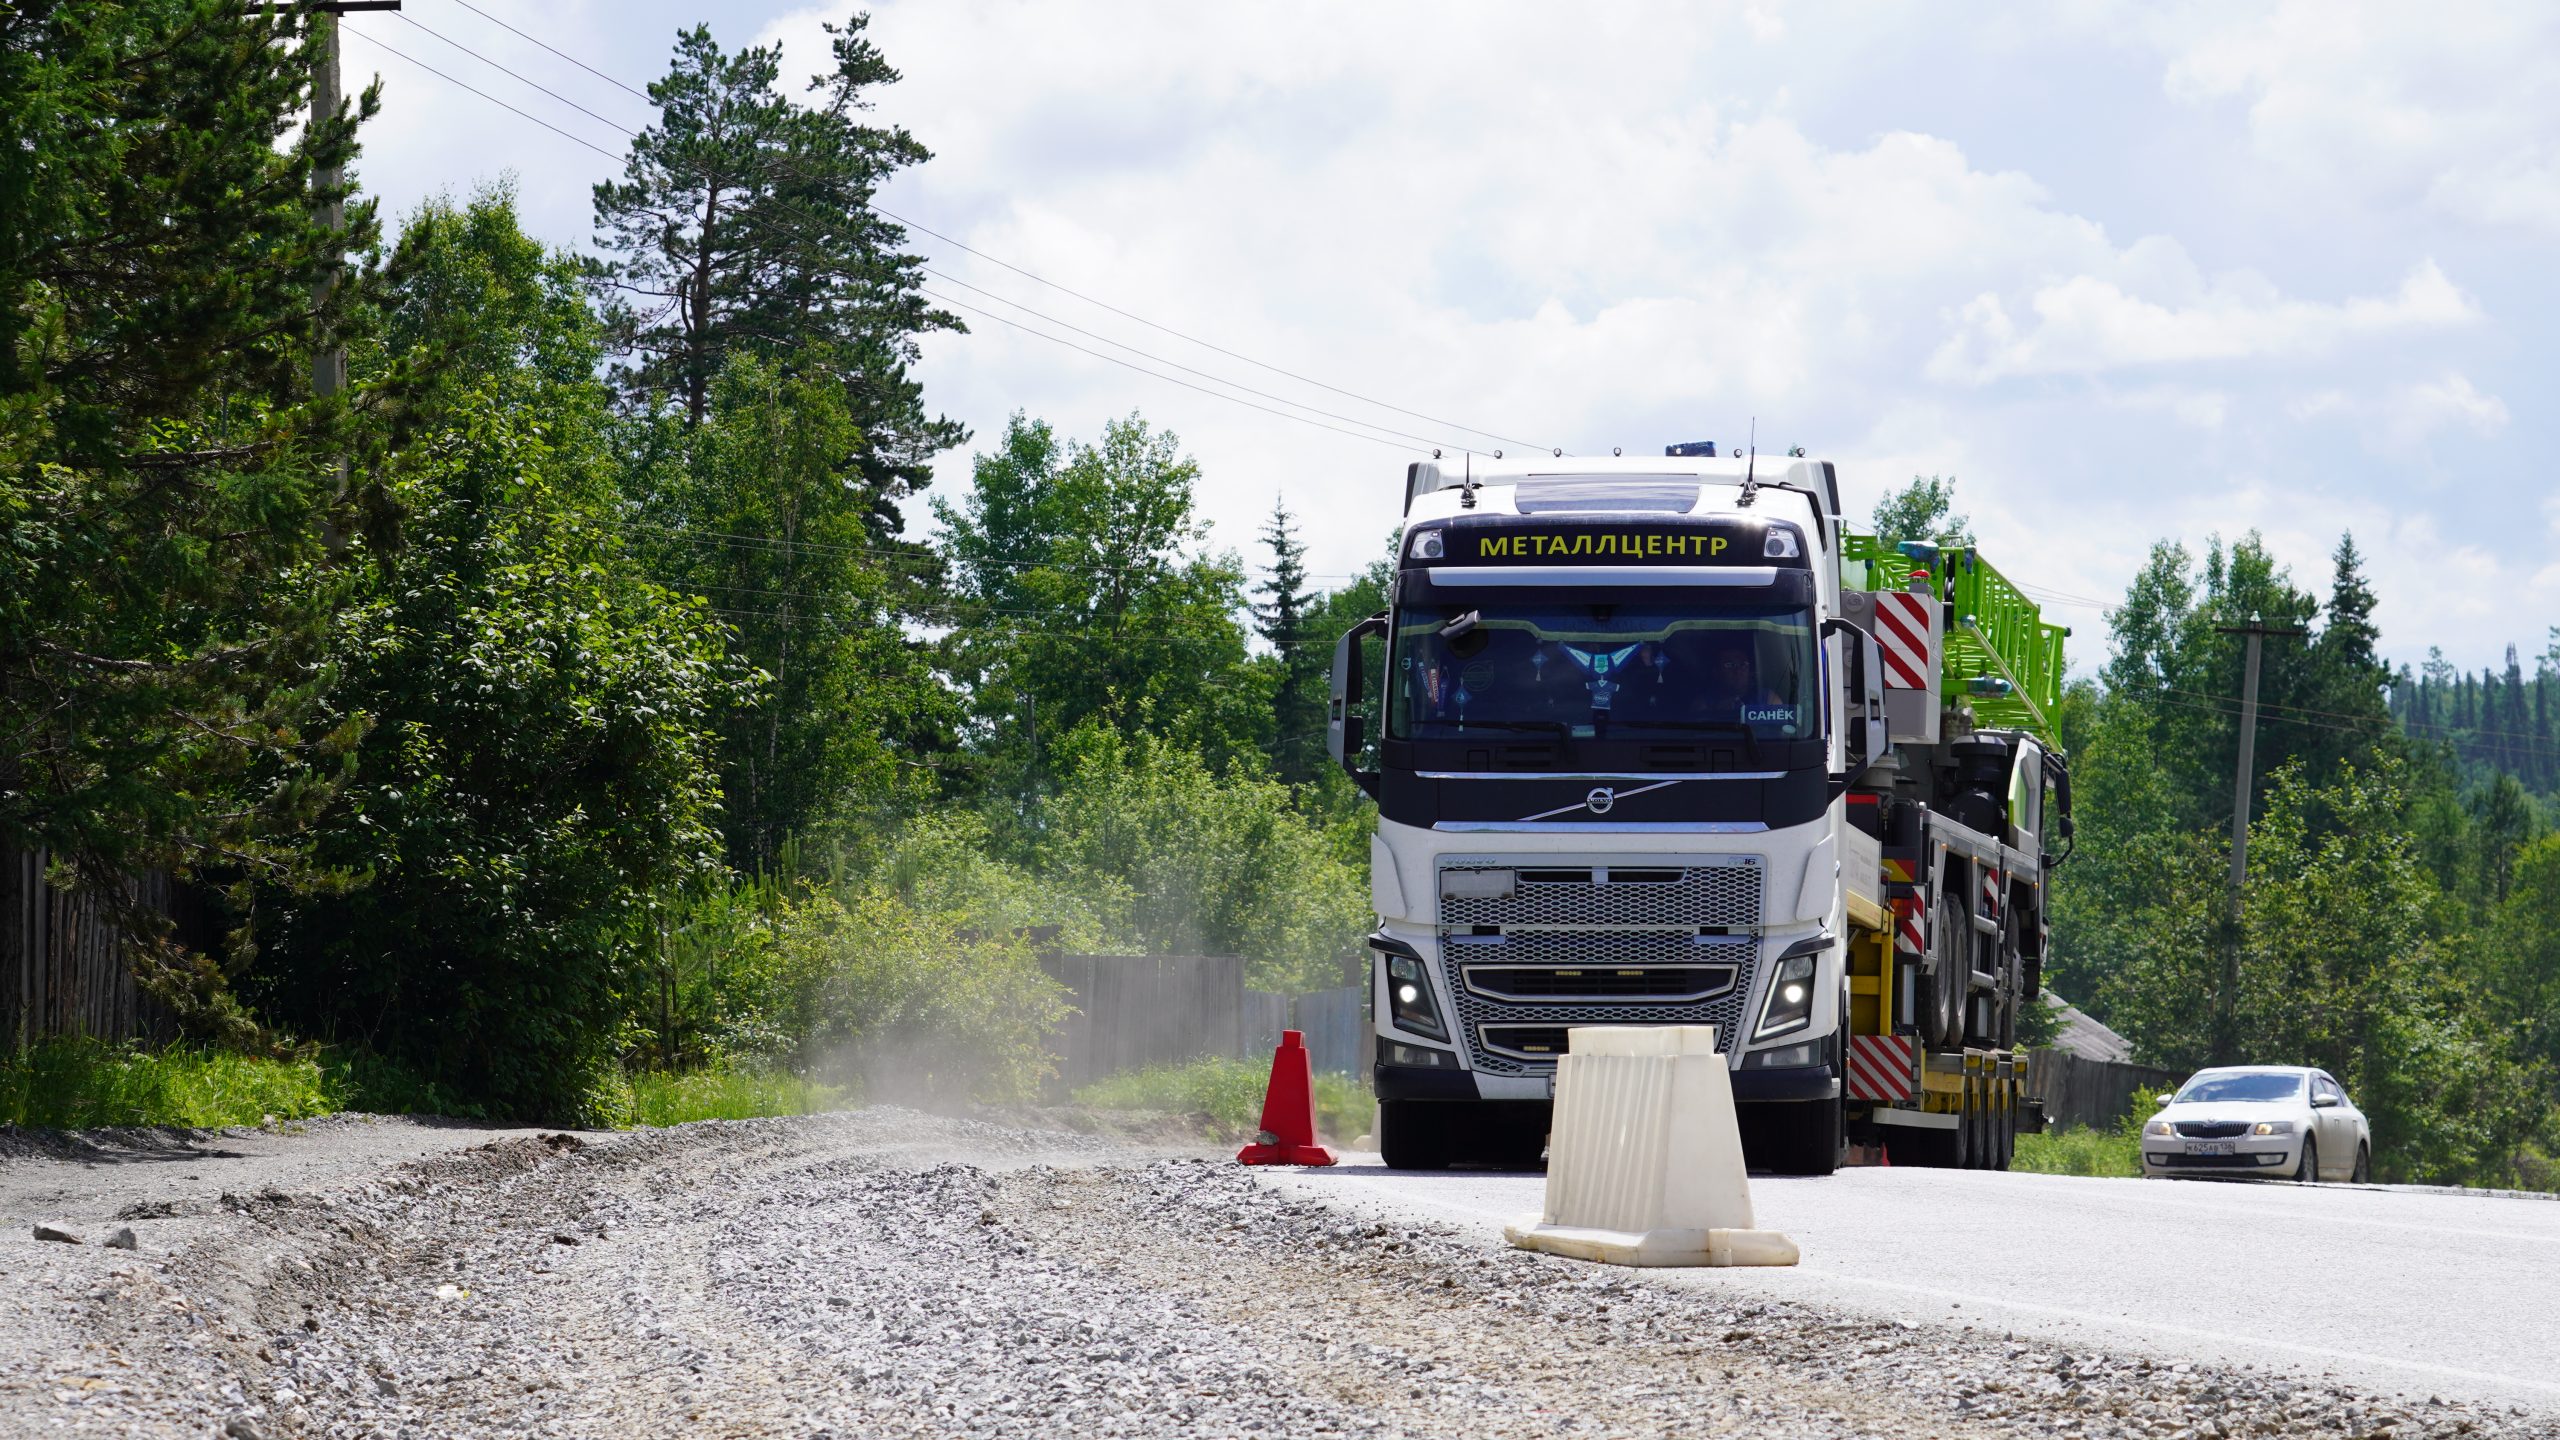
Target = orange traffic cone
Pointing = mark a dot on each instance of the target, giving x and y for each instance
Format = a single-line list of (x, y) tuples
[(1288, 1111)]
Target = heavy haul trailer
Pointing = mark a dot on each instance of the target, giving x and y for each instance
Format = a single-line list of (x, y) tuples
[(1661, 742)]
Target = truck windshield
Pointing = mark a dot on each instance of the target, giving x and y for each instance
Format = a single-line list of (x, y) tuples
[(1481, 668)]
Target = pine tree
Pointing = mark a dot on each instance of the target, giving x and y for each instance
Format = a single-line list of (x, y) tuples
[(1281, 619), (743, 222), (164, 589)]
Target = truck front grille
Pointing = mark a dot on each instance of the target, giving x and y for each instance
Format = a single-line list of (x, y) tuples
[(1530, 951)]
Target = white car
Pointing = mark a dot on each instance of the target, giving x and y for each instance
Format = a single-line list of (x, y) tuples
[(2287, 1121)]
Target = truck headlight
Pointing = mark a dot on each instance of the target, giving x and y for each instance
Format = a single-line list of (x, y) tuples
[(1409, 1001), (2159, 1127), (2272, 1127), (1790, 1003)]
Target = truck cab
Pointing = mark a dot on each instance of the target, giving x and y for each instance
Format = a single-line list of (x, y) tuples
[(1609, 719)]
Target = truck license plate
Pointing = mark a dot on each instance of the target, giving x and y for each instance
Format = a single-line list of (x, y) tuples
[(2211, 1147)]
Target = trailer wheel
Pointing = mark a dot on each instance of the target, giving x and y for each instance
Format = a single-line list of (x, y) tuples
[(1950, 970), (1962, 1138)]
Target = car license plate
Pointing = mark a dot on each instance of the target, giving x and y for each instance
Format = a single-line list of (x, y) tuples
[(2211, 1147)]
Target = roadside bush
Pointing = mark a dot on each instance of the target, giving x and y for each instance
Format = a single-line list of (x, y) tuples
[(79, 1083), (1221, 864), (660, 1098), (2080, 1150), (901, 1002)]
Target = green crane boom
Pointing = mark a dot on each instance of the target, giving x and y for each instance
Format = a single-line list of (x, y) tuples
[(2000, 656)]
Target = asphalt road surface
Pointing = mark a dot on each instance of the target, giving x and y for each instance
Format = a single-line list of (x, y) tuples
[(2424, 1293)]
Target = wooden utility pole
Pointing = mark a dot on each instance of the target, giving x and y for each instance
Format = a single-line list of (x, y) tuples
[(2226, 1005), (328, 358)]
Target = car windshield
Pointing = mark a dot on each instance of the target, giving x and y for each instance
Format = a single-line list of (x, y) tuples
[(1492, 666), (2230, 1089)]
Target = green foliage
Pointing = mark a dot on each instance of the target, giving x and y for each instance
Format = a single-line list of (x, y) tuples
[(1922, 510), (539, 771), (1303, 653), (664, 1098), (742, 224), (904, 1003), (1230, 1092), (74, 1083), (165, 481), (1081, 596), (2079, 1150), (750, 510), (1212, 864)]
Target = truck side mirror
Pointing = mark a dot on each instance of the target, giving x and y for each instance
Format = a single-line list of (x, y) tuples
[(1346, 729)]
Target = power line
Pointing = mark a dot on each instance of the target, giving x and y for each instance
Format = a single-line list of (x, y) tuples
[(563, 54), (512, 75), (485, 95), (1158, 374), (1178, 365)]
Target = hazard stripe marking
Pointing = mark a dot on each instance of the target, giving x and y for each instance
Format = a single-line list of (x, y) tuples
[(1902, 634), (1879, 1067)]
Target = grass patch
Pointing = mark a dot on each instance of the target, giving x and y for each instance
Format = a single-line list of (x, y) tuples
[(2082, 1151), (1230, 1093), (76, 1084), (664, 1098)]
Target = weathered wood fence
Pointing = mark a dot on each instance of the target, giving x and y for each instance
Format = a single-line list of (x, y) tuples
[(1133, 1011), (2077, 1090), (63, 967)]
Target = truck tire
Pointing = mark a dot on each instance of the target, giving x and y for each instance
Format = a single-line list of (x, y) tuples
[(1415, 1134), (1950, 974), (1806, 1137)]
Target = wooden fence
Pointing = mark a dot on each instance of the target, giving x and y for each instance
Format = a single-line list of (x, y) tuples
[(2077, 1090), (63, 967)]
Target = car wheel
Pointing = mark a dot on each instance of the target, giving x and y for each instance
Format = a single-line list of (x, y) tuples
[(2364, 1165), (2308, 1172)]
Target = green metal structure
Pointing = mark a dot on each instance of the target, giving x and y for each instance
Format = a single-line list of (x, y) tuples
[(2000, 659)]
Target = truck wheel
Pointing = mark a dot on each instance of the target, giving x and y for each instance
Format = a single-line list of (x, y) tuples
[(1961, 1137), (1803, 1137), (1414, 1134), (1950, 971)]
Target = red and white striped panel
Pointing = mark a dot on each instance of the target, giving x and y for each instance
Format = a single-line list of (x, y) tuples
[(1991, 894), (1910, 932), (1906, 631), (1880, 1067)]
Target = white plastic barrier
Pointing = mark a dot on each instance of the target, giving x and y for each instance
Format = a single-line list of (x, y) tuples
[(1644, 1160)]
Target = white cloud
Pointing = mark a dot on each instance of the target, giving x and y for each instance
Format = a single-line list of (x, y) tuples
[(1651, 223), (2086, 324), (2449, 104)]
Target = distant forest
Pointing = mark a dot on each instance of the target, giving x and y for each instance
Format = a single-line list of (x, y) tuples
[(2497, 722)]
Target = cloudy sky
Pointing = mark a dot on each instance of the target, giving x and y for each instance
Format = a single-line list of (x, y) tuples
[(2127, 270)]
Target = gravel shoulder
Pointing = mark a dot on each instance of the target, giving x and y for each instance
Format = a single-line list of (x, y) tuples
[(886, 1273)]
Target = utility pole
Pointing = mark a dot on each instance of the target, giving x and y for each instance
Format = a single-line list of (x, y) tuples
[(329, 360), (2226, 1005)]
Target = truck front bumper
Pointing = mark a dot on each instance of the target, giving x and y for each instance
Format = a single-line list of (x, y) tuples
[(1781, 1085)]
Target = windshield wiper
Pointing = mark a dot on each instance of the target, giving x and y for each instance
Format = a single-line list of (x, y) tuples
[(1534, 727)]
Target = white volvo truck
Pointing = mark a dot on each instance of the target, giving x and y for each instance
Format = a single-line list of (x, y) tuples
[(1658, 741)]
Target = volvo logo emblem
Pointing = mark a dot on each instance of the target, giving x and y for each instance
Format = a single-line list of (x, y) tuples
[(1599, 801)]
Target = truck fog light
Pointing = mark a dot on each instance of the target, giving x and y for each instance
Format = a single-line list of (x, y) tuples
[(1419, 1056), (1409, 1003), (1787, 1055)]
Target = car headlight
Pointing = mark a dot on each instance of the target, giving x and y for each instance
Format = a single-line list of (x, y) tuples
[(2159, 1127), (1409, 1001), (1790, 1002), (2272, 1127)]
